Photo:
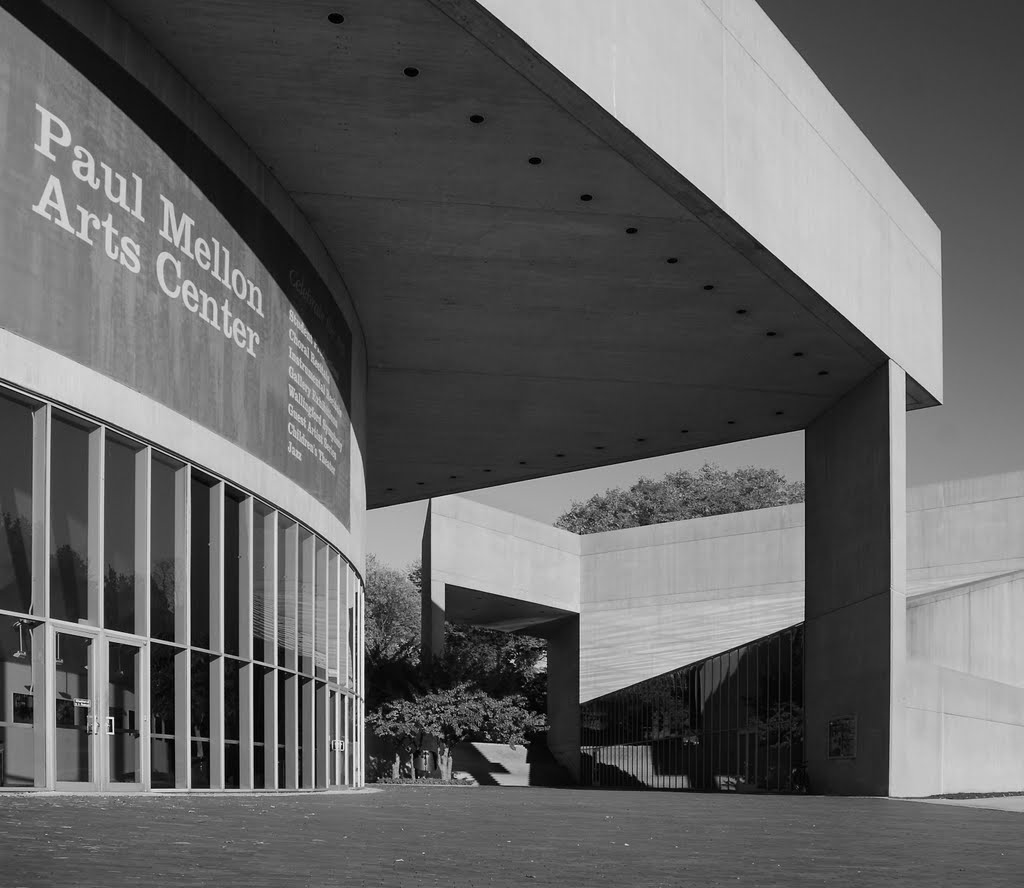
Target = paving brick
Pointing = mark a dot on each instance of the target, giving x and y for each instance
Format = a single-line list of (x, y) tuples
[(496, 836)]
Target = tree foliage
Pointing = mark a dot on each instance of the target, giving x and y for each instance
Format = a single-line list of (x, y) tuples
[(452, 715), (392, 613), (711, 490), (486, 685)]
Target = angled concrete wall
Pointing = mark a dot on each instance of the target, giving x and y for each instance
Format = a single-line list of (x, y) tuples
[(655, 598)]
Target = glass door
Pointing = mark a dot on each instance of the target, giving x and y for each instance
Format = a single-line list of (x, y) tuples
[(97, 697), (77, 711), (122, 727)]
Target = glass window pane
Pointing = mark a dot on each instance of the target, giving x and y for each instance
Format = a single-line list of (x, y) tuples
[(199, 588), (163, 548), (232, 569), (260, 677), (232, 720), (282, 696), (320, 620), (15, 506), (307, 573), (69, 521), (74, 707), (123, 725), (119, 536), (262, 585), (332, 616), (199, 747), (287, 579), (161, 707), (18, 703)]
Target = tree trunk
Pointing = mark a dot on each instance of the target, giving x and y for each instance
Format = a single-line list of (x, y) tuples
[(444, 760)]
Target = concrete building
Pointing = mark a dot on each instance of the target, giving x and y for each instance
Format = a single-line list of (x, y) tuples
[(265, 266), (624, 607)]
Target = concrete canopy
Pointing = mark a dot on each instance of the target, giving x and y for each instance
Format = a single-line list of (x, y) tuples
[(514, 328)]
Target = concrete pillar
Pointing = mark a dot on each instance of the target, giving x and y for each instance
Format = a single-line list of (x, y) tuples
[(856, 588), (432, 596), (564, 694)]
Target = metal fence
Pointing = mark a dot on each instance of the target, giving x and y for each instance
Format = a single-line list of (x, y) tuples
[(733, 722)]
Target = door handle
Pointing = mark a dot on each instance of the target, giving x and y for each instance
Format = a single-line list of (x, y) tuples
[(110, 725)]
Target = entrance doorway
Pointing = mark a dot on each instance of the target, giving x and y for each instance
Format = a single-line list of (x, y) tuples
[(97, 709)]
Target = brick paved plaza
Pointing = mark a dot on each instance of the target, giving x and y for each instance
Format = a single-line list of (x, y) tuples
[(504, 837)]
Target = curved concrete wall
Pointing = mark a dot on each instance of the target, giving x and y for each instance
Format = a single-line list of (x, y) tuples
[(89, 37)]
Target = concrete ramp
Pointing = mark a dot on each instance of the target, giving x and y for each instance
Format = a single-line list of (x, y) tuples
[(496, 764)]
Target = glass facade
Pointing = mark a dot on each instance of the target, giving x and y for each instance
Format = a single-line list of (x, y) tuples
[(733, 722), (159, 627)]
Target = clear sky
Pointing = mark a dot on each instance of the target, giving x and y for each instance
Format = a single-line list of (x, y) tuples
[(937, 86)]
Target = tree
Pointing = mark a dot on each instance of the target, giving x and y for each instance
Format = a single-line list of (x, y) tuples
[(679, 495), (392, 613), (452, 715), (499, 663)]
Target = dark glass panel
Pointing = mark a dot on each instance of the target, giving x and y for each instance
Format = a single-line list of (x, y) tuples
[(161, 707), (123, 725), (199, 747), (321, 610), (285, 603), (119, 536), (307, 574), (163, 548), (260, 677), (262, 608), (282, 684), (232, 570), (69, 522), (199, 589), (17, 702), (15, 506), (74, 706), (232, 721)]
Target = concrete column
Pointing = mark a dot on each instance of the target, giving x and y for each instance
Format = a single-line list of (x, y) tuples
[(856, 586), (564, 694), (432, 595)]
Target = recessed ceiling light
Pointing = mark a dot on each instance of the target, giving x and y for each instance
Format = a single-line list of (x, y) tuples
[(709, 286), (779, 412), (684, 431), (535, 161), (798, 354), (389, 490), (335, 18), (488, 471), (476, 118), (412, 72), (640, 440), (586, 197), (672, 260), (522, 462), (560, 456), (731, 422), (741, 311), (599, 447), (823, 373), (771, 333), (631, 230), (419, 483), (452, 477)]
